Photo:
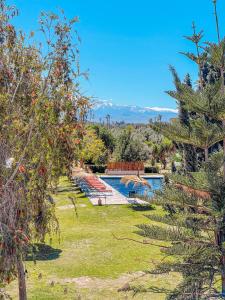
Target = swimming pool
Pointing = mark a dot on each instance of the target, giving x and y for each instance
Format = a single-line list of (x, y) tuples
[(156, 184)]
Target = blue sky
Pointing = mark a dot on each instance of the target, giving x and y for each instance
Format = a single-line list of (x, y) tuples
[(128, 45)]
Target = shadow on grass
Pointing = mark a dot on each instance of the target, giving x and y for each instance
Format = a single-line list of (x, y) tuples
[(43, 252), (71, 188), (81, 195), (67, 189), (142, 207)]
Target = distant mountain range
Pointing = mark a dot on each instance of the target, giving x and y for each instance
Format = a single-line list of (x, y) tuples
[(129, 114)]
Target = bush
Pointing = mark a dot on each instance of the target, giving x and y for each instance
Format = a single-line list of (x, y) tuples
[(151, 169), (97, 168)]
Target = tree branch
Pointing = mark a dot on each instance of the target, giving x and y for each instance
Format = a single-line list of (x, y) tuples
[(144, 242)]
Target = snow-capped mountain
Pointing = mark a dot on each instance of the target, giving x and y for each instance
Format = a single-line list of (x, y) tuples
[(129, 113)]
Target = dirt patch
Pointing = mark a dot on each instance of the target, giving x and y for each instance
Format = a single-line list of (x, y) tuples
[(70, 206), (81, 244), (102, 283)]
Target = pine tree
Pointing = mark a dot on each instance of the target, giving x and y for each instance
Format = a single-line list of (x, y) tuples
[(194, 219), (189, 152), (194, 203)]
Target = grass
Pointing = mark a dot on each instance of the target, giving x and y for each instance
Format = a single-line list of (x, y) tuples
[(87, 247)]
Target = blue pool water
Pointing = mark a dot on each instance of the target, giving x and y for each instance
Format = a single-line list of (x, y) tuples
[(156, 184)]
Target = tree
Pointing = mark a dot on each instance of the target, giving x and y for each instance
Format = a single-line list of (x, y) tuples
[(135, 180), (131, 146), (203, 134), (189, 152), (193, 218), (194, 203), (161, 151), (93, 149), (42, 113), (107, 138)]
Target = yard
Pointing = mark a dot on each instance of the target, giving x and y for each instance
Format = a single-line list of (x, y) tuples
[(87, 261)]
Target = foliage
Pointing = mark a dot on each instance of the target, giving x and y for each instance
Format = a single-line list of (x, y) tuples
[(106, 136), (131, 147), (162, 151), (189, 153), (194, 203), (41, 123), (97, 168), (135, 180), (93, 148), (193, 226), (149, 169)]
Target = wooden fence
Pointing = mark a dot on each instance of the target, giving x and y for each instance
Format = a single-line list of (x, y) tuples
[(125, 166)]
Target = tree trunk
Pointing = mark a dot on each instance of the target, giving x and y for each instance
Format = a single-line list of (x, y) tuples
[(223, 122), (223, 256), (190, 158), (164, 163), (206, 150), (223, 276), (21, 280)]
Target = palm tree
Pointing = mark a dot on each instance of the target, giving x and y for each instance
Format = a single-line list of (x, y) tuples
[(161, 152), (136, 180)]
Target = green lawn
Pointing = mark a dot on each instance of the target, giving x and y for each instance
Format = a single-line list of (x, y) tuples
[(88, 248)]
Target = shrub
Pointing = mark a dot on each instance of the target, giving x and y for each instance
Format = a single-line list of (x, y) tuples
[(97, 168), (151, 169)]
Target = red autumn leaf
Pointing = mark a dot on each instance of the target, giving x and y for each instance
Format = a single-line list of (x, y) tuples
[(42, 170), (22, 169), (77, 141)]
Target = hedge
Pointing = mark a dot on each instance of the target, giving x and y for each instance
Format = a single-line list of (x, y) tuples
[(97, 168), (150, 169)]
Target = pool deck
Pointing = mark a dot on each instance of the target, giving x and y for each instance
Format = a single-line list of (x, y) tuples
[(116, 198), (145, 176)]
